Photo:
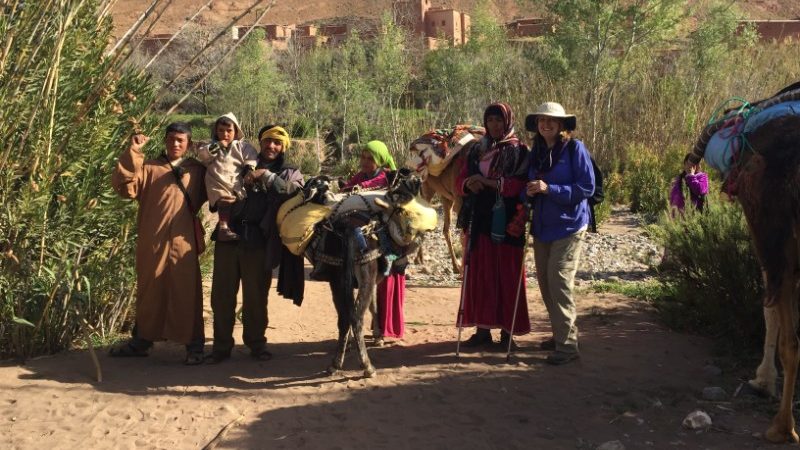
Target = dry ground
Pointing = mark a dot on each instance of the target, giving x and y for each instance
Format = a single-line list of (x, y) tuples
[(635, 383)]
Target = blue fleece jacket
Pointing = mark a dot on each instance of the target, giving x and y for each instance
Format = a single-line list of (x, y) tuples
[(564, 209)]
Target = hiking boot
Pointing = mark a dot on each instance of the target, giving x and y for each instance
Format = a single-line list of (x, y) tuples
[(481, 337), (226, 235), (549, 345), (558, 358)]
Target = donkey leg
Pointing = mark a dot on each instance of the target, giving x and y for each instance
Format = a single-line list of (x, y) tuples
[(367, 275), (343, 324), (766, 372), (782, 428), (377, 331)]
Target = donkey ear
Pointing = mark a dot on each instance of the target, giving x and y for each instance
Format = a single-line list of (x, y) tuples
[(382, 203)]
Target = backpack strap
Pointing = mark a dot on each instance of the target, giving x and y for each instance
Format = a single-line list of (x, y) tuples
[(177, 172)]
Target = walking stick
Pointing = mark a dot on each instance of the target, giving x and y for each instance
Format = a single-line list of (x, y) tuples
[(521, 279), (467, 254)]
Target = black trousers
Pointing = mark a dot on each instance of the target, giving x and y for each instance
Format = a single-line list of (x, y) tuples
[(235, 263)]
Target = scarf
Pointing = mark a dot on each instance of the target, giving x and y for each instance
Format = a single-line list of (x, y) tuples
[(508, 161), (380, 154), (277, 133)]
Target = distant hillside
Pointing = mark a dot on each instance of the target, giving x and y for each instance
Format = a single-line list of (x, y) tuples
[(300, 11)]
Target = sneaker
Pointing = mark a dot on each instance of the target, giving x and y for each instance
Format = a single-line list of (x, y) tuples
[(481, 337), (226, 235), (548, 345), (558, 358)]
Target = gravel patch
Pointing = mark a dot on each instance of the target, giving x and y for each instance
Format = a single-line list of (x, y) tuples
[(620, 251)]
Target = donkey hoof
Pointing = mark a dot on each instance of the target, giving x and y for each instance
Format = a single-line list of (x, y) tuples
[(369, 372), (778, 434), (332, 370)]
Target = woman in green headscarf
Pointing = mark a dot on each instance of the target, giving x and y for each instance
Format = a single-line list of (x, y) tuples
[(375, 159)]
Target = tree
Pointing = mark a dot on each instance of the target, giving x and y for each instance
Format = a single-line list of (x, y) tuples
[(595, 40), (250, 85), (391, 72)]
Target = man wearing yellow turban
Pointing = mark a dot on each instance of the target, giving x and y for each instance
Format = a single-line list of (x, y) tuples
[(259, 250)]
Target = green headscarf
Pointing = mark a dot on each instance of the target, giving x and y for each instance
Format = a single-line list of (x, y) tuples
[(380, 154)]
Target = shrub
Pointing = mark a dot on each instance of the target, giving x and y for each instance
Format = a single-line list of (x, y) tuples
[(717, 279), (647, 177)]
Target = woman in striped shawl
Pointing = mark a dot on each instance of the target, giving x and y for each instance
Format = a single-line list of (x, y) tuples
[(491, 181)]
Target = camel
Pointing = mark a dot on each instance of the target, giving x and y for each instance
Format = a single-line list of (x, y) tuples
[(438, 157), (349, 248), (766, 178)]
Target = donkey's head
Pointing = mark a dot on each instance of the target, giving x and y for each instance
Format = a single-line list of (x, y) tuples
[(406, 216)]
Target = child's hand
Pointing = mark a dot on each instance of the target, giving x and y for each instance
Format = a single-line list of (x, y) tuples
[(253, 175), (138, 141)]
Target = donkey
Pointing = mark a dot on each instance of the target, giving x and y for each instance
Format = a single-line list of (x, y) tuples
[(351, 247), (767, 182), (439, 171)]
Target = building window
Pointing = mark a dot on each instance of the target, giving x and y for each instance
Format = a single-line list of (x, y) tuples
[(443, 23)]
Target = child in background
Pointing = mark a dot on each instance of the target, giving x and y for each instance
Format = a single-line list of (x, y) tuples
[(375, 160), (227, 159), (695, 180)]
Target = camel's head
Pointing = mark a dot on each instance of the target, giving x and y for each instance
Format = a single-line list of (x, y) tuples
[(432, 151), (423, 154)]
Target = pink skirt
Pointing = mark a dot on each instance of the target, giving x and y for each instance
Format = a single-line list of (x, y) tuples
[(391, 294)]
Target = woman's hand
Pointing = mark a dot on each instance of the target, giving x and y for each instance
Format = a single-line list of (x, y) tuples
[(536, 187), (477, 183)]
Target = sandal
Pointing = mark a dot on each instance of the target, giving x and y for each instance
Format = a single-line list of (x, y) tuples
[(193, 358), (126, 350), (261, 354), (216, 357)]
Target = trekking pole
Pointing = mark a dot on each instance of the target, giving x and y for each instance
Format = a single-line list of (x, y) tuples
[(467, 254), (521, 278)]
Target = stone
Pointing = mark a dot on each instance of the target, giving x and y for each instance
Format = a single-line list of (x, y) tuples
[(712, 371), (611, 445), (714, 394), (697, 420)]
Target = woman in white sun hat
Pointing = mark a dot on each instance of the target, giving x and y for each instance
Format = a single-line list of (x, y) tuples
[(561, 180)]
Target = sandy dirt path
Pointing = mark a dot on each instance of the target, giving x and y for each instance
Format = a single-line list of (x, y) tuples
[(635, 383)]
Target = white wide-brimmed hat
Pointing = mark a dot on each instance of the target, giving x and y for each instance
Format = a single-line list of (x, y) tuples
[(550, 109)]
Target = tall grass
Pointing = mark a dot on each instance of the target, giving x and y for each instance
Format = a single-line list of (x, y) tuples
[(67, 240)]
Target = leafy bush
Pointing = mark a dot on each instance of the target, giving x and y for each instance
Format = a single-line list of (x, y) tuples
[(67, 265), (715, 274), (647, 177)]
